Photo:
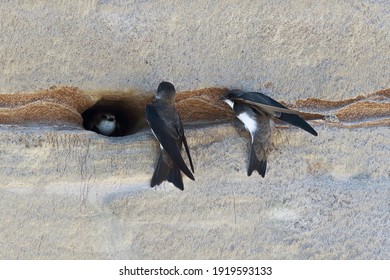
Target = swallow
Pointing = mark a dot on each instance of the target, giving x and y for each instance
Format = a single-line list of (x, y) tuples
[(165, 123), (255, 110), (105, 123)]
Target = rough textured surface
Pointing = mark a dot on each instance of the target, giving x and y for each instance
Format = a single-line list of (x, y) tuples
[(294, 49), (74, 194), (57, 105), (67, 193)]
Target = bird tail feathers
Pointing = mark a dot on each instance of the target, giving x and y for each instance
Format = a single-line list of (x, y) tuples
[(255, 164), (163, 172), (174, 176)]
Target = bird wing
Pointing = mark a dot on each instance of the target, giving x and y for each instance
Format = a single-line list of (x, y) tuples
[(167, 139), (266, 104), (180, 131), (268, 108)]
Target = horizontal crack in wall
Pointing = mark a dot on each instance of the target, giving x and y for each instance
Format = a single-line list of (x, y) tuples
[(58, 105)]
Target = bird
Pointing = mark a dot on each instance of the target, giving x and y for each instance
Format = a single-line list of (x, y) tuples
[(254, 110), (106, 123), (166, 125)]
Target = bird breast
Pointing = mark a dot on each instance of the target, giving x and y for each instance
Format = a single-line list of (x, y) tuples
[(106, 127), (249, 122)]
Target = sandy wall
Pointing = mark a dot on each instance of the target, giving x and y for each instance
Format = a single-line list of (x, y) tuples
[(67, 193), (292, 49)]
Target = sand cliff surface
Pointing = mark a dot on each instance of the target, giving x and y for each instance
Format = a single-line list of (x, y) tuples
[(69, 193)]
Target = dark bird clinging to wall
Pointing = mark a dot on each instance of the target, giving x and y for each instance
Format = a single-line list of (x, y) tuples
[(255, 110), (166, 126)]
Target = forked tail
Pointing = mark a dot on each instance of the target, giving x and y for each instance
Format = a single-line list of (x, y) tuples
[(255, 164), (163, 172)]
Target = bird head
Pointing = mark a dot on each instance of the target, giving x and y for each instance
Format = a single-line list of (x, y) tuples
[(165, 90)]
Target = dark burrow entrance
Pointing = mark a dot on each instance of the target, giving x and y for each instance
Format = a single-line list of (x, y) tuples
[(115, 117)]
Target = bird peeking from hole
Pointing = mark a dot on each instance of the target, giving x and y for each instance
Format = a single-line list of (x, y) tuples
[(105, 123)]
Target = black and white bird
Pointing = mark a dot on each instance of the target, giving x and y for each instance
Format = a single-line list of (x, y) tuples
[(105, 123), (255, 110), (165, 123)]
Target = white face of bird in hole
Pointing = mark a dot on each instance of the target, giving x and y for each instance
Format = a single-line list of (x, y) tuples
[(105, 122)]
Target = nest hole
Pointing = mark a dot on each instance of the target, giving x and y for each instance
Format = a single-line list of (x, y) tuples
[(115, 117)]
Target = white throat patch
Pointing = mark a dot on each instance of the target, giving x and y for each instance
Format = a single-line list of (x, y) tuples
[(229, 102), (250, 123), (106, 127)]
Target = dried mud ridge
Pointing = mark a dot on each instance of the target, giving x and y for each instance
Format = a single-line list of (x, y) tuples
[(72, 106)]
